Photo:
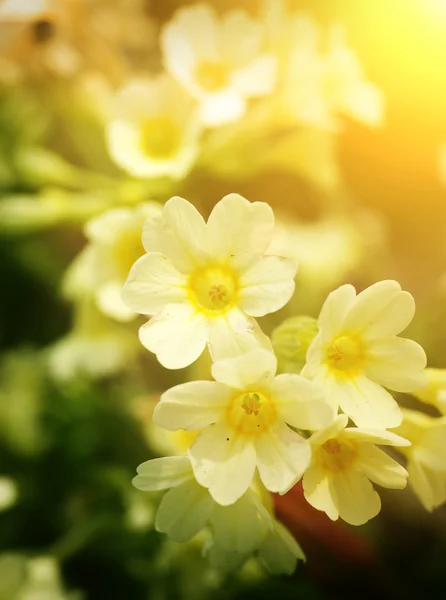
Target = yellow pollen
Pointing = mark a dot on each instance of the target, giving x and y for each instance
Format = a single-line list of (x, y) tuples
[(345, 354), (336, 455), (213, 289), (212, 76), (251, 413), (159, 137)]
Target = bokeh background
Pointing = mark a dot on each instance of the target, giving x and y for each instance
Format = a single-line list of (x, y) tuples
[(359, 197)]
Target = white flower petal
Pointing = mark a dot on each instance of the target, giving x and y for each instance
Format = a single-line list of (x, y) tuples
[(396, 363), (242, 526), (280, 551), (184, 511), (223, 462), (380, 468), (356, 500), (191, 406), (163, 473), (258, 78), (255, 368), (267, 285), (365, 402), (300, 402), (239, 230), (371, 304), (318, 491), (428, 485), (153, 282), (177, 336), (223, 107), (282, 457), (179, 234), (333, 313), (234, 334)]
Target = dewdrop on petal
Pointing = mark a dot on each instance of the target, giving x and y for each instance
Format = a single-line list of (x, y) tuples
[(245, 417), (205, 282), (344, 463), (426, 457), (219, 61), (357, 353)]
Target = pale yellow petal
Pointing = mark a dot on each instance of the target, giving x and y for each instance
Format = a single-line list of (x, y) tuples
[(334, 311), (380, 468), (318, 491), (428, 485), (255, 368), (356, 500), (163, 473), (371, 304)]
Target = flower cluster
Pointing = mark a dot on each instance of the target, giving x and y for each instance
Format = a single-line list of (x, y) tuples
[(254, 432)]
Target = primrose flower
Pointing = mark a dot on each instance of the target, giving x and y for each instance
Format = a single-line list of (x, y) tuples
[(219, 62), (204, 282), (435, 391), (344, 462), (237, 530), (357, 352), (100, 270), (244, 417), (426, 457), (155, 130)]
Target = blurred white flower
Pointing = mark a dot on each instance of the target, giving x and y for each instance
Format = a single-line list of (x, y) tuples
[(204, 282), (155, 130), (435, 391), (220, 61), (344, 462), (357, 353), (244, 418), (426, 457), (8, 493)]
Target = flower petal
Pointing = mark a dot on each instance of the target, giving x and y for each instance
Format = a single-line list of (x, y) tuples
[(179, 234), (333, 313), (282, 457), (184, 511), (241, 526), (356, 500), (239, 230), (394, 318), (428, 485), (191, 406), (318, 492), (153, 282), (234, 334), (300, 402), (280, 551), (255, 368), (177, 336), (374, 436), (267, 285), (162, 473), (223, 463), (380, 468), (365, 402), (110, 302), (396, 363), (333, 430)]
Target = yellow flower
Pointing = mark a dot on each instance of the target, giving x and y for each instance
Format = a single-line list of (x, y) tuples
[(114, 244), (219, 62), (426, 457), (238, 530), (356, 352), (344, 462), (155, 129), (435, 391), (244, 418), (204, 282)]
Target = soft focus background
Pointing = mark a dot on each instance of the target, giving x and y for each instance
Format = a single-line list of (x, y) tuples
[(348, 147)]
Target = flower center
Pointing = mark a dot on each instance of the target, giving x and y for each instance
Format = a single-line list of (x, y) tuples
[(213, 288), (336, 455), (159, 137), (212, 76), (346, 354), (251, 413)]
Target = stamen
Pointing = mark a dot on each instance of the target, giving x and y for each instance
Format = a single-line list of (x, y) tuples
[(251, 403)]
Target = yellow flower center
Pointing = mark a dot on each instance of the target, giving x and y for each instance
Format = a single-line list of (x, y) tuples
[(336, 455), (251, 413), (212, 76), (159, 137), (213, 289), (346, 354)]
